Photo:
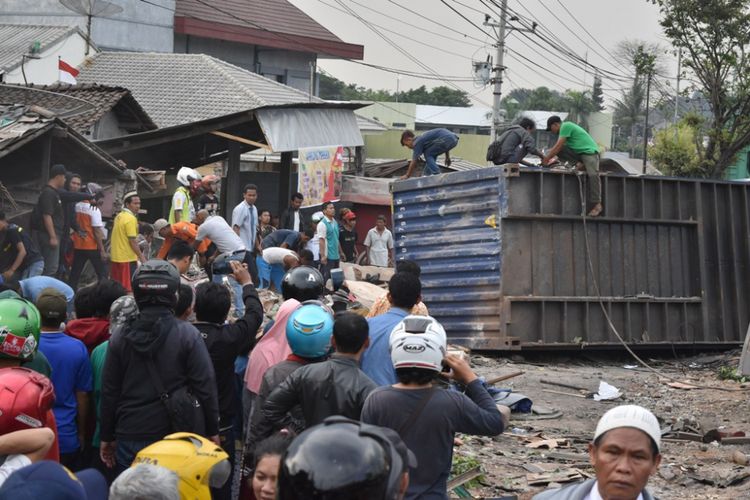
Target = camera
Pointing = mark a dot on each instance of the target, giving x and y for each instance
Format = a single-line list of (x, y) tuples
[(221, 263)]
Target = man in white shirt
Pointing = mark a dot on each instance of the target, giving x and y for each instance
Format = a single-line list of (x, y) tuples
[(379, 244), (245, 224), (216, 229)]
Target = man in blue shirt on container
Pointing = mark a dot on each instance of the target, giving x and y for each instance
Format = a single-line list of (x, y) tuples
[(71, 376), (404, 291), (431, 144)]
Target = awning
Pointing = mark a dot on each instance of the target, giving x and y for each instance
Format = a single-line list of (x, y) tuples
[(289, 129)]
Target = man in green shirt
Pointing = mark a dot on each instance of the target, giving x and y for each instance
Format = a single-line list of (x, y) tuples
[(576, 146)]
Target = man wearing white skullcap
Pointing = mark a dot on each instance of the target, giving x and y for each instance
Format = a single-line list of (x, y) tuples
[(625, 453)]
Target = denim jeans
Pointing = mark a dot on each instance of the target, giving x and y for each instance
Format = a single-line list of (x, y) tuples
[(33, 269), (437, 148), (126, 452), (264, 272), (51, 255)]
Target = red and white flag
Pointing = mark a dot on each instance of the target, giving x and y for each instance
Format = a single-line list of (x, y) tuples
[(68, 73)]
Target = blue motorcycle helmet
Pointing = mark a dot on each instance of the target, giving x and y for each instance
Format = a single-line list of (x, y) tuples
[(309, 330)]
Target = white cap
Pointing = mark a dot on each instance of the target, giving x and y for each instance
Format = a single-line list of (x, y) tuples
[(632, 416), (160, 224), (317, 216)]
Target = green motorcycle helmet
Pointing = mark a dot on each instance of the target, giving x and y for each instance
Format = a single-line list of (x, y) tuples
[(19, 329)]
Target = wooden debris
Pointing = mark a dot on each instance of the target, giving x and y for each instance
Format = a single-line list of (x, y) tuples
[(563, 476), (680, 385), (565, 393), (567, 456), (500, 378), (366, 293), (464, 478), (547, 443)]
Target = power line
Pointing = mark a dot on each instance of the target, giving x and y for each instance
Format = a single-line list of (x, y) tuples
[(588, 33), (441, 35), (464, 17), (421, 16), (399, 48)]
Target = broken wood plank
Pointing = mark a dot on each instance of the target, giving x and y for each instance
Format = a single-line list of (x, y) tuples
[(500, 378), (464, 478), (567, 386), (563, 455), (565, 393), (736, 440)]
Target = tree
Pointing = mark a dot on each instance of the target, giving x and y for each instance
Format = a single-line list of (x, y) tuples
[(579, 105), (538, 99), (636, 56), (677, 149), (335, 89), (715, 40), (597, 94)]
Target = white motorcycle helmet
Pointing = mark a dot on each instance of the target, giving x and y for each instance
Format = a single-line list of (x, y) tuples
[(185, 175), (418, 342)]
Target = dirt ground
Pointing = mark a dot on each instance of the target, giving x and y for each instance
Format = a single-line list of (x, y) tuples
[(689, 470)]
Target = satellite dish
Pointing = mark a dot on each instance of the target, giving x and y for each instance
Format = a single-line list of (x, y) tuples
[(91, 9)]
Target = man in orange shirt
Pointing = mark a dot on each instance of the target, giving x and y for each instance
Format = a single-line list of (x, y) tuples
[(88, 241), (185, 231)]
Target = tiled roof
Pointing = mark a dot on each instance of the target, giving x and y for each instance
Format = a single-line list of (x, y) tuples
[(80, 106), (268, 23), (182, 88), (15, 40)]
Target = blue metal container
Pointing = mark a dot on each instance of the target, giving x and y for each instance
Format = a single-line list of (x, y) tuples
[(505, 263)]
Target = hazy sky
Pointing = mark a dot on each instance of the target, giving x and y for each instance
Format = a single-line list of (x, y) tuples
[(455, 43)]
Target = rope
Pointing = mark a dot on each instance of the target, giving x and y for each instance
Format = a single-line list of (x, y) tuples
[(609, 319)]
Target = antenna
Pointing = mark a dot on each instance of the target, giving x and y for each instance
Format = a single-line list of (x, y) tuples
[(91, 9)]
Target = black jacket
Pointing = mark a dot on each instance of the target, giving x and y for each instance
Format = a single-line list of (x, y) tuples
[(225, 343), (287, 220), (259, 426), (334, 387), (130, 406)]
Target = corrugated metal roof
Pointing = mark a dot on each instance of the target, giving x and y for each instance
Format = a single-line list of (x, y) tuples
[(182, 88), (80, 106), (454, 115), (15, 40), (278, 16), (394, 168)]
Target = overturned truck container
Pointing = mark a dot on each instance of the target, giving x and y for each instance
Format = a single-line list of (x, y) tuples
[(505, 263)]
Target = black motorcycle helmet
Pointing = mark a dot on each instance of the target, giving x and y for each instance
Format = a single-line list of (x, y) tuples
[(156, 282), (343, 459), (302, 283)]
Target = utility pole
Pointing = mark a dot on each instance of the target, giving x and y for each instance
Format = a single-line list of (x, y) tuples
[(501, 27), (498, 116), (677, 91)]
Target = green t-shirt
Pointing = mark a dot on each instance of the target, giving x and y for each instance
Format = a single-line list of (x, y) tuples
[(39, 363), (98, 356), (578, 139)]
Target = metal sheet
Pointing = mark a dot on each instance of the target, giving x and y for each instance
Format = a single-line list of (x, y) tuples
[(288, 129), (505, 264)]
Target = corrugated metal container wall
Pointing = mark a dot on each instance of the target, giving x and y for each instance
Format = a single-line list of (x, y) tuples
[(505, 265)]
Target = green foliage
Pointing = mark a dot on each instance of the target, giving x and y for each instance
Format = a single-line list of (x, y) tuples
[(337, 90), (597, 94), (715, 40), (731, 373), (676, 150), (538, 99), (579, 105), (464, 463)]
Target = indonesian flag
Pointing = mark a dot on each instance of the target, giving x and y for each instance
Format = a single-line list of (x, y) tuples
[(68, 73)]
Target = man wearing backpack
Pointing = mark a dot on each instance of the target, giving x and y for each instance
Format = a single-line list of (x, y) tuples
[(154, 364), (514, 144)]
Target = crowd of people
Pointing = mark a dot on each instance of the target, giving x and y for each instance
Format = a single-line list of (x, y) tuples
[(141, 386)]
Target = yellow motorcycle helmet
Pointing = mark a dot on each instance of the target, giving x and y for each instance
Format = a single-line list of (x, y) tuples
[(198, 462)]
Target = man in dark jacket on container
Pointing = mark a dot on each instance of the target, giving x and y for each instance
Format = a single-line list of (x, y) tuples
[(514, 144), (334, 387), (133, 414), (226, 341)]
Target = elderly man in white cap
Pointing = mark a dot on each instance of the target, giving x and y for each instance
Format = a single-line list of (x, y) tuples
[(624, 452)]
